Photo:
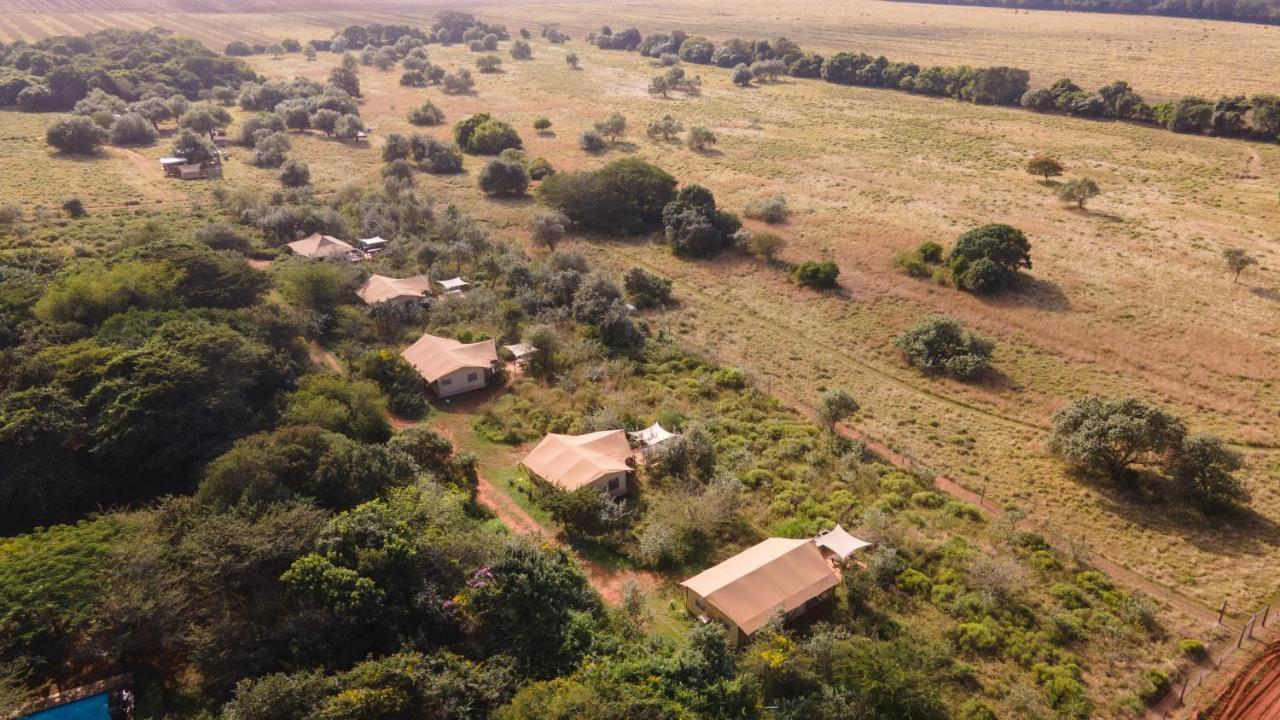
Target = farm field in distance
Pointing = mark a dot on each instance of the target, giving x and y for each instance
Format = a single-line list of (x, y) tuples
[(1126, 297)]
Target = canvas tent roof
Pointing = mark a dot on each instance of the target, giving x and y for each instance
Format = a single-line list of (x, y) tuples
[(374, 241), (172, 161), (453, 283), (319, 246), (379, 288), (839, 542), (777, 573), (434, 357), (571, 461), (655, 434)]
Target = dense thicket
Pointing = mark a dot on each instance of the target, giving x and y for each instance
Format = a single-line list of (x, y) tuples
[(57, 72), (1258, 11)]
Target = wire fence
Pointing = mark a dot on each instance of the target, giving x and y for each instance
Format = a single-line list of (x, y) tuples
[(1228, 617)]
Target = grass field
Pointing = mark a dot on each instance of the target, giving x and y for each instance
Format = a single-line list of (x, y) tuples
[(1129, 296), (1161, 57)]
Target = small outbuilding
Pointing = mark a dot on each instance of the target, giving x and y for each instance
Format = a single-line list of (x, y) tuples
[(453, 286), (372, 246), (520, 352), (599, 459), (404, 291), (321, 247), (778, 575), (170, 165), (451, 367)]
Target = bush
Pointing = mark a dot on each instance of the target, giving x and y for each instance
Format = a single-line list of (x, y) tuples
[(295, 173), (1193, 649), (818, 275), (549, 228), (426, 114), (591, 141), (540, 124), (975, 709), (74, 207), (539, 168), (221, 236), (695, 227), (764, 245), (504, 178), (76, 135), (701, 139), (645, 289), (270, 150), (941, 344), (987, 259), (133, 129), (489, 64), (1157, 684), (521, 50), (480, 134), (435, 156), (772, 210), (405, 387)]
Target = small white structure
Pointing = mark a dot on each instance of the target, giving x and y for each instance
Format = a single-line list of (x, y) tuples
[(599, 459), (170, 165), (453, 286), (320, 247), (521, 351), (838, 544), (651, 437), (372, 245), (405, 291), (452, 367)]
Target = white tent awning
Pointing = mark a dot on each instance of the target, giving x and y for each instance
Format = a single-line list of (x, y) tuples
[(653, 435)]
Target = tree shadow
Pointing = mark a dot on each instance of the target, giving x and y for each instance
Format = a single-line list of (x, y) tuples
[(1098, 214), (1034, 292), (708, 152), (513, 202), (1271, 294)]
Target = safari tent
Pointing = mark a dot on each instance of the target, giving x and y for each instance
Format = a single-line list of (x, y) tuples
[(599, 459), (380, 288), (452, 367), (320, 247)]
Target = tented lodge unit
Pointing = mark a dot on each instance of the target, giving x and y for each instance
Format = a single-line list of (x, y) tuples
[(600, 459), (321, 247), (405, 291), (452, 367)]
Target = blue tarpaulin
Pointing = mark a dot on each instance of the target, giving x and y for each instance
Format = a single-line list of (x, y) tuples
[(93, 707)]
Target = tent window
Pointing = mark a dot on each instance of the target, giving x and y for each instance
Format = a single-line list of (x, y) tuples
[(613, 483), (471, 377), (446, 381)]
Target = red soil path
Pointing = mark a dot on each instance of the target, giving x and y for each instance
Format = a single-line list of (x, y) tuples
[(1254, 694)]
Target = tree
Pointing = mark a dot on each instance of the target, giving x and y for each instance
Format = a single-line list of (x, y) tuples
[(591, 141), (192, 147), (1105, 436), (489, 64), (1237, 261), (659, 87), (355, 408), (546, 343), (521, 50), (1044, 166), (987, 259), (295, 173), (836, 407), (312, 286), (613, 127), (701, 139), (941, 344), (504, 178), (549, 228), (205, 119), (426, 114), (668, 128), (1078, 191), (1202, 469), (572, 60), (694, 226), (818, 275), (271, 150), (741, 75), (435, 156), (625, 196), (482, 135), (74, 208), (458, 82), (647, 290), (345, 78), (76, 135), (133, 129), (325, 120)]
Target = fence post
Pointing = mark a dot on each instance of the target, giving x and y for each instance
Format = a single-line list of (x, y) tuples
[(1265, 612), (1183, 693), (1222, 612)]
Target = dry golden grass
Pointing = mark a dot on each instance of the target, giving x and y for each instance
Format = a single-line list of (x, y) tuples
[(1130, 297), (1160, 56)]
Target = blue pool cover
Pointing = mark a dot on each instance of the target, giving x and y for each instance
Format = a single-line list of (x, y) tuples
[(93, 707)]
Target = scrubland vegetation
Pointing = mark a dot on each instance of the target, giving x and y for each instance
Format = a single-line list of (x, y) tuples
[(176, 450)]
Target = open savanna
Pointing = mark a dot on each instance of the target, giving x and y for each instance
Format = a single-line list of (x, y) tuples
[(1127, 297), (1161, 57)]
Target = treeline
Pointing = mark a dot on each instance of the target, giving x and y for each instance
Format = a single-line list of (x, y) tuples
[(1235, 116), (56, 73), (1254, 11)]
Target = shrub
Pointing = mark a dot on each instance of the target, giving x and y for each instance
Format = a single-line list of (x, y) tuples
[(295, 173), (458, 82), (1193, 649), (489, 64), (221, 236), (978, 638), (549, 228), (695, 227), (818, 275), (521, 50), (701, 139), (914, 582), (540, 124), (772, 210), (404, 386), (426, 114), (1156, 685), (482, 135), (504, 178), (270, 150), (74, 207), (435, 156), (975, 709), (941, 344), (133, 129), (591, 141), (77, 135), (645, 289), (539, 168)]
